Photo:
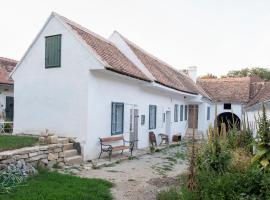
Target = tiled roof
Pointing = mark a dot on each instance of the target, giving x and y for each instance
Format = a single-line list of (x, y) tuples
[(6, 66), (262, 95), (113, 58), (227, 89), (163, 73)]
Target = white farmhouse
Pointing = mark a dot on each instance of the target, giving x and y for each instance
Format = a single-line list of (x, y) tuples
[(82, 85), (6, 89), (235, 98)]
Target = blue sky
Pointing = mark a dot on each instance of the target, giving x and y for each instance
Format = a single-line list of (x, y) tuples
[(214, 35)]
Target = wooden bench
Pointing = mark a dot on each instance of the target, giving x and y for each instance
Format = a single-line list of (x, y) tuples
[(106, 146)]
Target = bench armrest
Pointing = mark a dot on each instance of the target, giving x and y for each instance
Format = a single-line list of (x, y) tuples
[(106, 146)]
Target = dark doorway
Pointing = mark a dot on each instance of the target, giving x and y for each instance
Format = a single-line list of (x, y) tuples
[(9, 108), (229, 119)]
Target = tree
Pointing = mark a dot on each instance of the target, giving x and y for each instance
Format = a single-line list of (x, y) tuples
[(208, 76), (263, 73)]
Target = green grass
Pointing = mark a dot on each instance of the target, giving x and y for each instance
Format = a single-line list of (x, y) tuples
[(8, 142), (55, 186)]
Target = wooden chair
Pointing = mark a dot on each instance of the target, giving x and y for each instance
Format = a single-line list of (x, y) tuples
[(152, 138)]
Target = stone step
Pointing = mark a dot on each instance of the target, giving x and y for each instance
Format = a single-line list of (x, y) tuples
[(63, 140), (74, 160), (70, 153), (68, 146)]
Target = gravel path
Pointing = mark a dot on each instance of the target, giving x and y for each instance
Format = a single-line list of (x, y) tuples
[(142, 178)]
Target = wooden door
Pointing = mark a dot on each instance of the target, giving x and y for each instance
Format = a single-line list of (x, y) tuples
[(193, 116), (134, 123)]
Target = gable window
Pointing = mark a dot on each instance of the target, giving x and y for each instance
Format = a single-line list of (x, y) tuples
[(152, 116), (208, 113), (53, 51), (117, 118), (181, 113), (185, 112), (227, 106), (176, 113)]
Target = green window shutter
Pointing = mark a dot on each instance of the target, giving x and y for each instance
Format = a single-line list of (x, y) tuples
[(117, 118), (181, 112), (152, 117), (208, 113), (186, 112), (53, 51)]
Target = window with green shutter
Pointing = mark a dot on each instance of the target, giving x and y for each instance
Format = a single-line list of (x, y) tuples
[(181, 112), (152, 117), (53, 51), (117, 118)]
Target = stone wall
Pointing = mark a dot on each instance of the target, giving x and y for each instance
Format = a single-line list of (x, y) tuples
[(44, 156)]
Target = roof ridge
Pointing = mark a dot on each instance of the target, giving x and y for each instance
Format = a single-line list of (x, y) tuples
[(71, 22), (151, 55)]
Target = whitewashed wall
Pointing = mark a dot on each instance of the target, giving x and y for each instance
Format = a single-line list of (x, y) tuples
[(55, 98), (253, 115), (203, 123), (106, 88)]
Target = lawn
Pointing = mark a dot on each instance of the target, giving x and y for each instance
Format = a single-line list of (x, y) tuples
[(55, 186), (8, 142)]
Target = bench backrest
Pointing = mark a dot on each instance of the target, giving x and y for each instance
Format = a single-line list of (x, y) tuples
[(111, 139)]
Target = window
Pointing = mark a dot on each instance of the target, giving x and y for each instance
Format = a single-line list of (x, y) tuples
[(152, 116), (181, 112), (142, 119), (164, 117), (227, 106), (185, 112), (208, 113), (176, 113), (117, 118), (53, 51)]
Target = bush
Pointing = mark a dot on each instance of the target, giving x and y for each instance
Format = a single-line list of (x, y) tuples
[(252, 184), (10, 179), (213, 158)]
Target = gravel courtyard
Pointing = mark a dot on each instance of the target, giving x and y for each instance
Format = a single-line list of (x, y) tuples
[(141, 177)]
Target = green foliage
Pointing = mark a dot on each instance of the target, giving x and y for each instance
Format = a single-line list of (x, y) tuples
[(262, 156), (208, 76), (10, 180), (8, 142), (55, 186), (214, 158), (263, 73), (171, 194)]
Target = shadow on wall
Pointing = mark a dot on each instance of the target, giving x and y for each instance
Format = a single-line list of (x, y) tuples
[(229, 119)]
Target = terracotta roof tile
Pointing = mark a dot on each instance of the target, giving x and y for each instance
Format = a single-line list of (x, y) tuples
[(262, 95), (163, 73), (227, 89), (6, 66), (114, 59)]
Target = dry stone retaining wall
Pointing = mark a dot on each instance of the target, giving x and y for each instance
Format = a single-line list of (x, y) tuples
[(44, 156)]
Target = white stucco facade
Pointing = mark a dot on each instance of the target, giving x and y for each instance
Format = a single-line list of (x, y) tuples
[(75, 99)]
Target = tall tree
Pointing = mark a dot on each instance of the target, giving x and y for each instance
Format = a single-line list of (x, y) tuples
[(208, 76), (263, 73)]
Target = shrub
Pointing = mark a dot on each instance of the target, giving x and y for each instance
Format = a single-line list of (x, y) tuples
[(262, 157), (10, 179)]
